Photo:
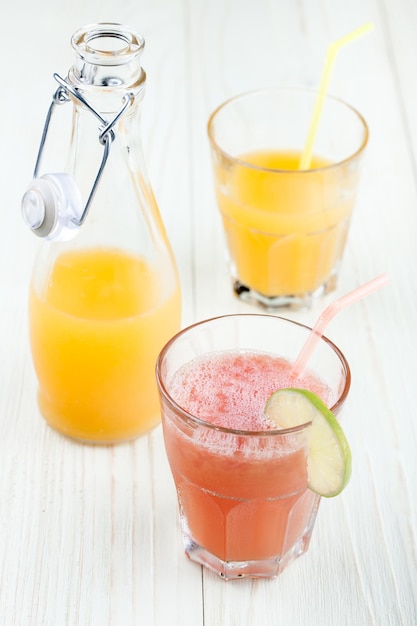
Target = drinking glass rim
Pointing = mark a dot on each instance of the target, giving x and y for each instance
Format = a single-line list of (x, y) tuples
[(306, 90), (186, 416)]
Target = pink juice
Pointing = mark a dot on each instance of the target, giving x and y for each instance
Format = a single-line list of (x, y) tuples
[(243, 496)]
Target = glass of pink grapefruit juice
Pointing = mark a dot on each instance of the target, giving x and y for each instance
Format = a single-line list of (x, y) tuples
[(285, 228), (244, 504)]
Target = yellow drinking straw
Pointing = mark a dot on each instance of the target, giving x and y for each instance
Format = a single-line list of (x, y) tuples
[(332, 51)]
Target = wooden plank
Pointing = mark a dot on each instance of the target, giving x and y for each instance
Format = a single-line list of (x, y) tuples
[(91, 535)]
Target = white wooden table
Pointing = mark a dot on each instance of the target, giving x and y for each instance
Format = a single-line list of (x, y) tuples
[(89, 535)]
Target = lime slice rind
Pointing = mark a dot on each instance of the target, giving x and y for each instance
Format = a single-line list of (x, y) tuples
[(329, 460)]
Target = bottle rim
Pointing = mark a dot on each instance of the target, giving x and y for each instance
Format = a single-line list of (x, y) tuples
[(107, 43)]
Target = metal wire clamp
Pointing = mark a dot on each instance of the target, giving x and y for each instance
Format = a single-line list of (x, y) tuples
[(43, 199)]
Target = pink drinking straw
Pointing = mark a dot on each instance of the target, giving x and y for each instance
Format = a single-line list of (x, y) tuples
[(328, 314)]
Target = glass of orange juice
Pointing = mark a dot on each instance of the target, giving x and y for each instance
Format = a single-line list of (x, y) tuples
[(285, 227), (242, 486)]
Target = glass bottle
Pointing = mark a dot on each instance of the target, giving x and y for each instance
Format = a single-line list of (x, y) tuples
[(104, 295)]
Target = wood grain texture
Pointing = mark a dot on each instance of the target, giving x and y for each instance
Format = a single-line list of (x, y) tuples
[(90, 535)]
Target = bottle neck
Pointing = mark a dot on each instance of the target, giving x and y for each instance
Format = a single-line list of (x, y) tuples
[(107, 65), (105, 85)]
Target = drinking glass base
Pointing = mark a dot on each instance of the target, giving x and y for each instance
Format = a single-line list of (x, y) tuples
[(232, 570), (272, 303)]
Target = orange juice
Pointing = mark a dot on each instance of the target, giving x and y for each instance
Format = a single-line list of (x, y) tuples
[(286, 229), (96, 331)]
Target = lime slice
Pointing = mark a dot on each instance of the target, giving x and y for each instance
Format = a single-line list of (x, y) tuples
[(329, 459)]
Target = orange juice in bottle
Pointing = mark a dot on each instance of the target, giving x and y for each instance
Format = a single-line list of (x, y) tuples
[(95, 337), (104, 294)]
